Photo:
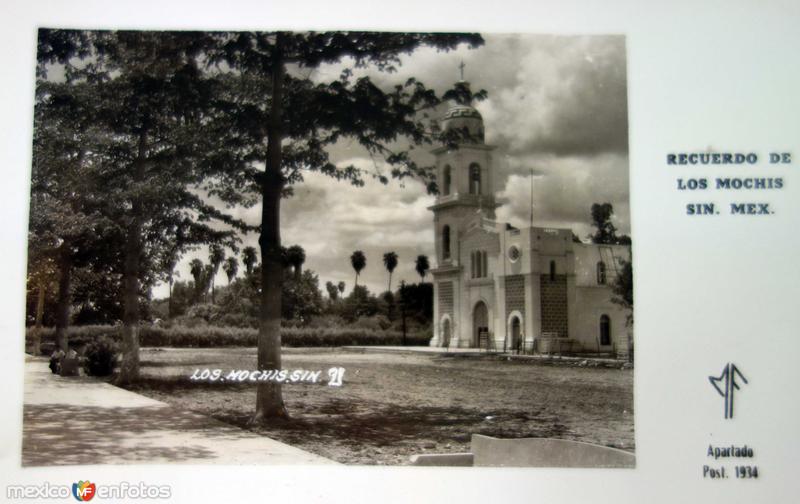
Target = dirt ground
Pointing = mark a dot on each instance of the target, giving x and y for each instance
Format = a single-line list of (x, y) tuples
[(394, 405)]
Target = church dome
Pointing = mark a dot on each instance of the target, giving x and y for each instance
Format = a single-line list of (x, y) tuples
[(460, 117), (459, 110)]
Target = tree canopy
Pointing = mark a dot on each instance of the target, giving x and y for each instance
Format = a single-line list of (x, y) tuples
[(422, 265), (145, 101), (175, 120), (606, 233)]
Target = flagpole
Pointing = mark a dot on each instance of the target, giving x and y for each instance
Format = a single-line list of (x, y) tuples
[(531, 199)]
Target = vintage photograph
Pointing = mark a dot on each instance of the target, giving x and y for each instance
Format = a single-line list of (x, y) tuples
[(363, 248)]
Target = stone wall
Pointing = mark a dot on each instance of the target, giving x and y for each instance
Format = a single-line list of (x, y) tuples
[(515, 295), (554, 306)]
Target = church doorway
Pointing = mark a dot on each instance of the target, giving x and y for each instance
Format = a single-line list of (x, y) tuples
[(480, 325), (446, 332), (516, 330)]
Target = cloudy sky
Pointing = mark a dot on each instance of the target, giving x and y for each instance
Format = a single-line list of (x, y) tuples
[(556, 107)]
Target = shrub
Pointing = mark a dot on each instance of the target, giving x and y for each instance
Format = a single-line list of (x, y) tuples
[(375, 323), (238, 320), (208, 312), (101, 356), (216, 336), (327, 321), (187, 321)]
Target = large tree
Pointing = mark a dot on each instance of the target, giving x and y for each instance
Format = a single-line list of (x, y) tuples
[(67, 229), (151, 104), (285, 120)]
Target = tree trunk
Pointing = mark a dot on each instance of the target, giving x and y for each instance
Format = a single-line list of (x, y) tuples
[(213, 276), (64, 298), (36, 344), (390, 281), (169, 300), (129, 369), (269, 397)]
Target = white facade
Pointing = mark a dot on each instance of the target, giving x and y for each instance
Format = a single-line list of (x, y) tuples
[(504, 288)]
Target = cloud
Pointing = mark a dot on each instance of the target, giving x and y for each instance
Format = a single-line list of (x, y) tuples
[(557, 105), (331, 219), (565, 95), (564, 190)]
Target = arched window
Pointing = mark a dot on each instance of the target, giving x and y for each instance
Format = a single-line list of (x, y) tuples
[(446, 242), (479, 267), (552, 270), (473, 264), (601, 273), (474, 178), (605, 330), (447, 180)]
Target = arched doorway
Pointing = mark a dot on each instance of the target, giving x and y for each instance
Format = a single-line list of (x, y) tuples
[(446, 332), (515, 330), (480, 324)]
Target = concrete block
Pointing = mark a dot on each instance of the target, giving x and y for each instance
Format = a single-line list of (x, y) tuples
[(543, 452), (443, 459)]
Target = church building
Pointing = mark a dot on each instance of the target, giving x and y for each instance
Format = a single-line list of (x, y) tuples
[(508, 289)]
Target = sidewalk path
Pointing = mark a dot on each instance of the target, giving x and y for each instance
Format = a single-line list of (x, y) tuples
[(80, 420)]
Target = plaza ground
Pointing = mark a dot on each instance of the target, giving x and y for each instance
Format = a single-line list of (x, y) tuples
[(394, 404)]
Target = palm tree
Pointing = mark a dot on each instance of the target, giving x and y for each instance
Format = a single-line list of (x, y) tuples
[(196, 269), (359, 262), (333, 292), (390, 261), (341, 287), (296, 256), (230, 267), (215, 257), (249, 258), (422, 266), (168, 264)]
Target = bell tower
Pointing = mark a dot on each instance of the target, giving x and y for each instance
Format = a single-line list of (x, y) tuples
[(466, 180)]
